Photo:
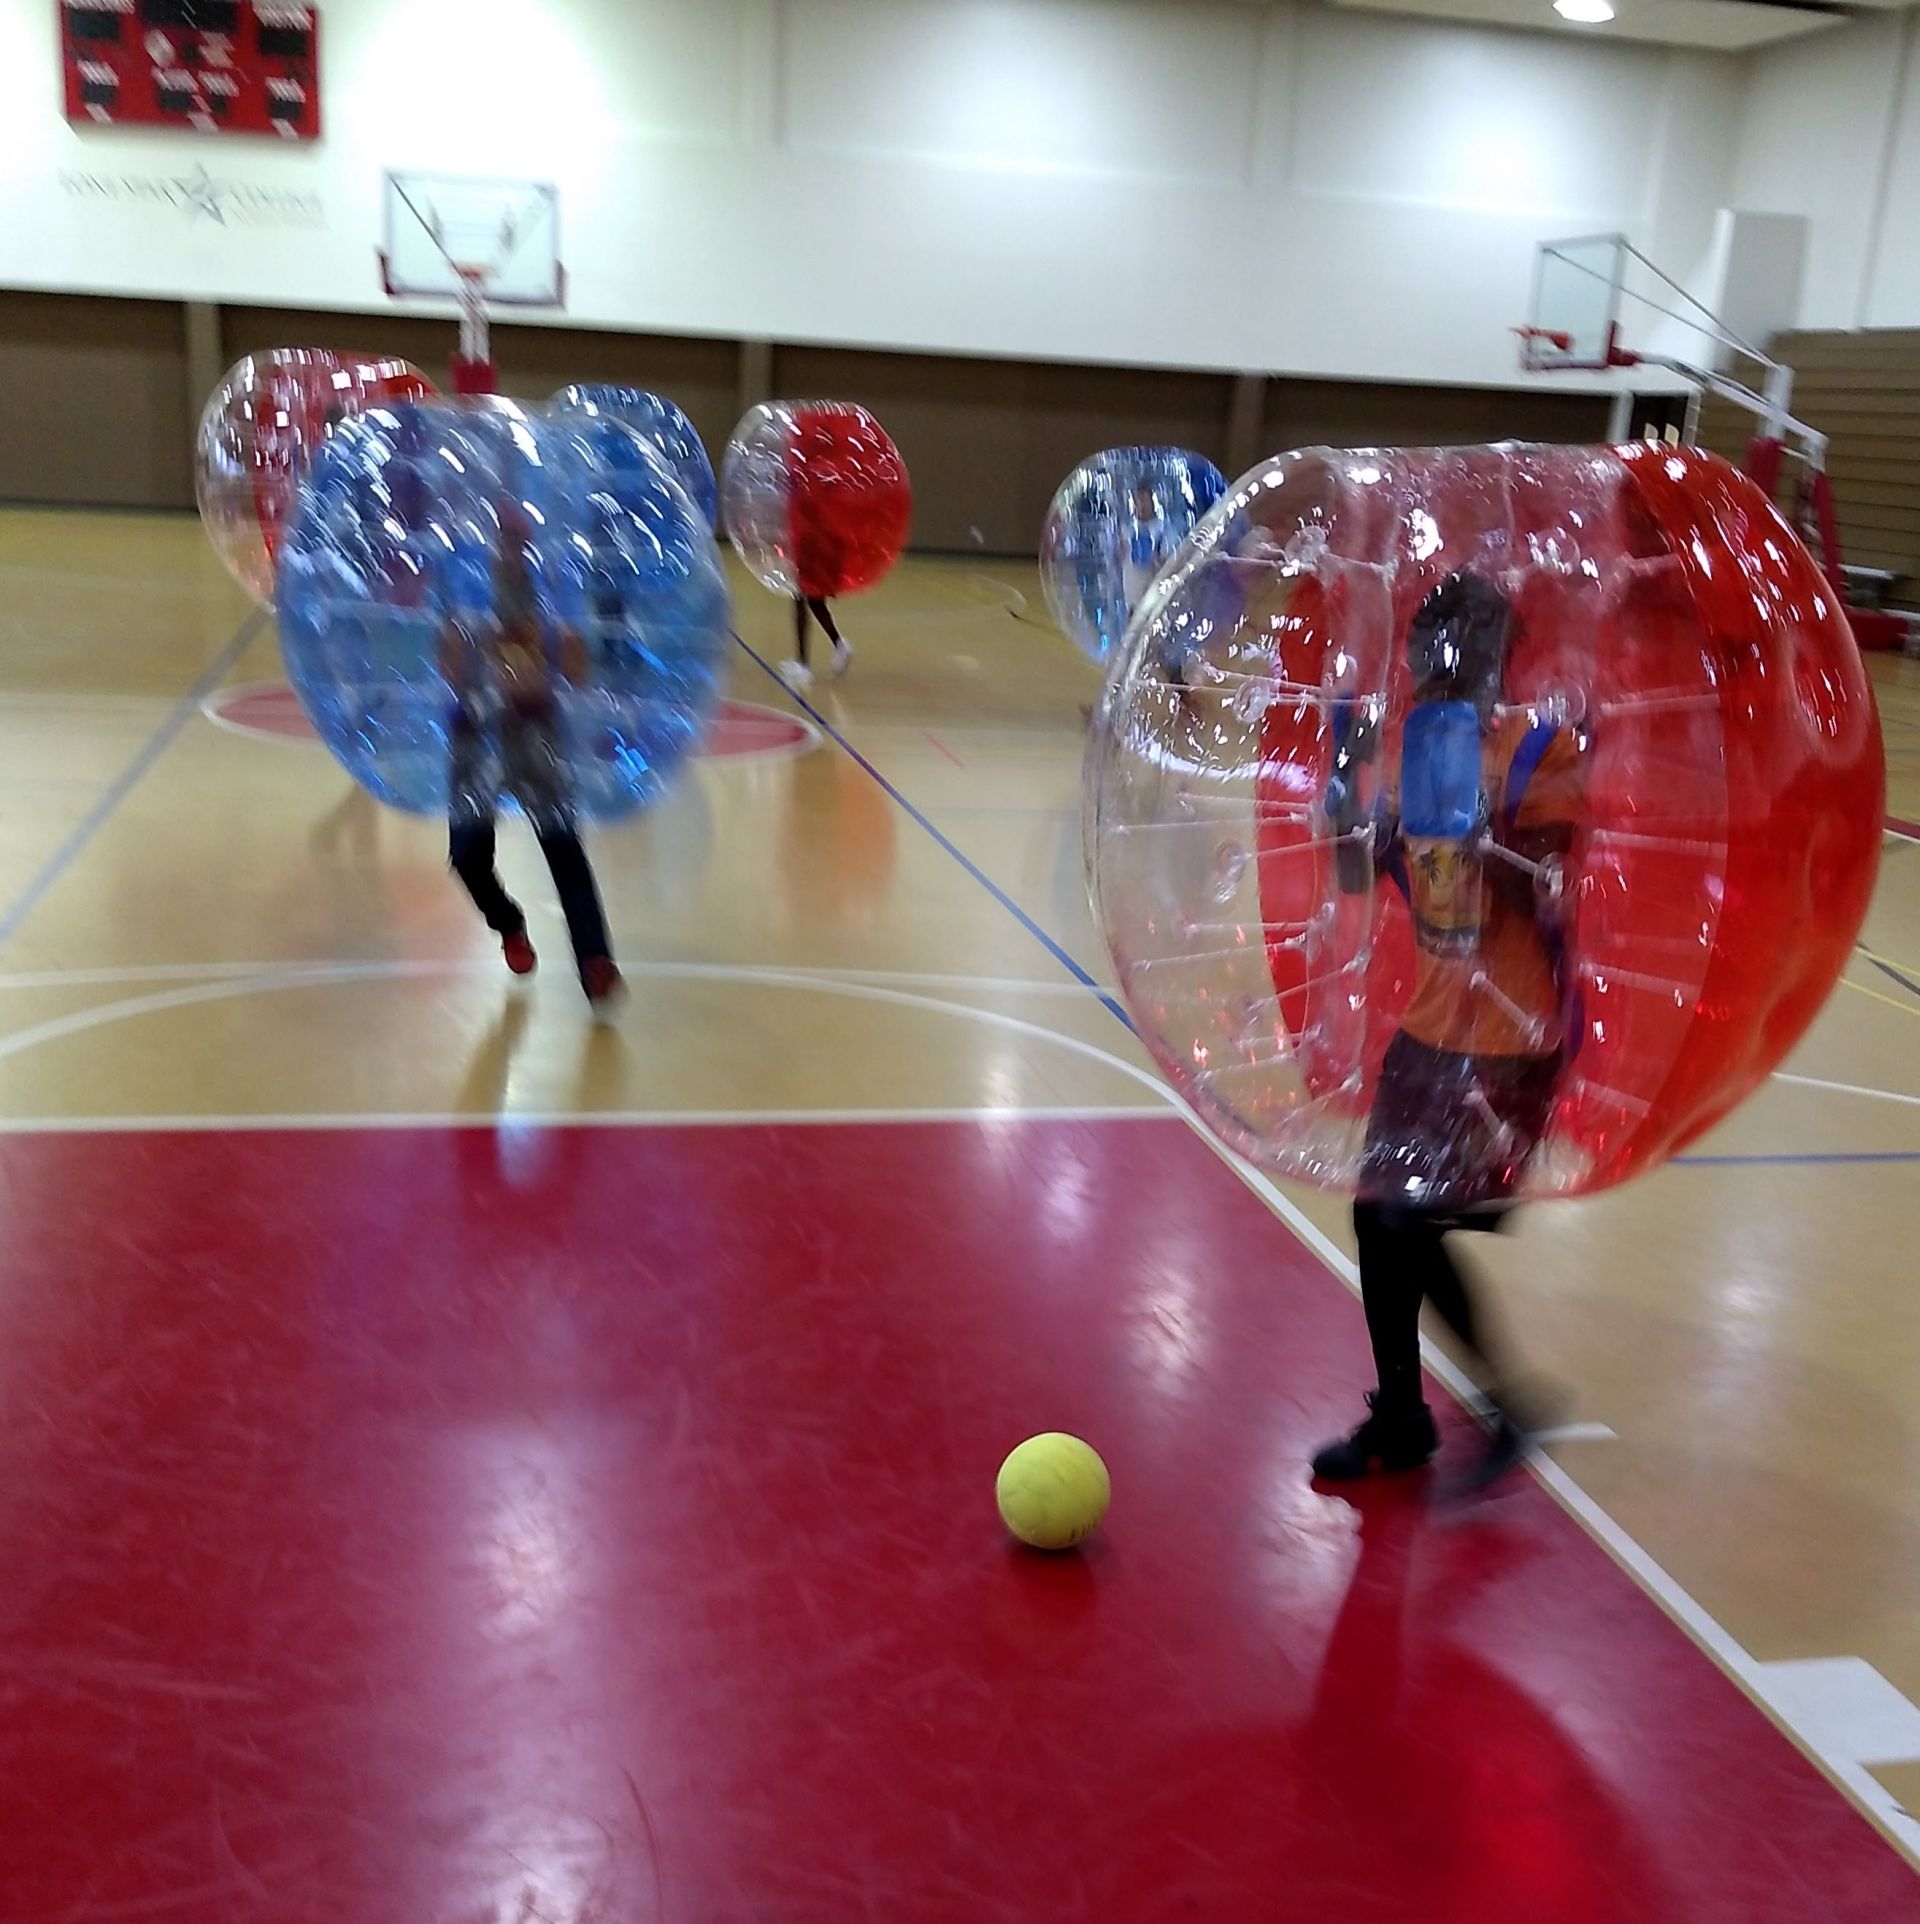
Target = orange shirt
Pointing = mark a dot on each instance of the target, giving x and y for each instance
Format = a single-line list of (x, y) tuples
[(1484, 981)]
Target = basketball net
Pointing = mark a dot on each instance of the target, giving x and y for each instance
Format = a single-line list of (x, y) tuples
[(473, 368)]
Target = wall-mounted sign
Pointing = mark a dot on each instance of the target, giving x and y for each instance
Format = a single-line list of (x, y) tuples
[(206, 66), (199, 196)]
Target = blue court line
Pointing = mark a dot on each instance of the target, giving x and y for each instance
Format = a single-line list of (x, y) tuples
[(1074, 969), (966, 861), (1887, 969), (123, 784), (1788, 1161)]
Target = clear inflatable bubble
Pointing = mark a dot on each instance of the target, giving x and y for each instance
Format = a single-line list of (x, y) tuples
[(664, 424), (815, 497), (481, 607), (1114, 524), (1483, 822), (258, 434)]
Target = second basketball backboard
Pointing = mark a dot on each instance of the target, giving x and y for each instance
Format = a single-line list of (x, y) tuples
[(1577, 289), (452, 236)]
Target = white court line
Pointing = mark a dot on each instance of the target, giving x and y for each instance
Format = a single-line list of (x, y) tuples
[(1846, 1088), (490, 966), (141, 587), (1012, 602), (1819, 1742), (19, 1041), (263, 977), (1849, 1702), (60, 703), (229, 971), (229, 690), (323, 970), (322, 975), (981, 1115), (1015, 602), (1578, 1433)]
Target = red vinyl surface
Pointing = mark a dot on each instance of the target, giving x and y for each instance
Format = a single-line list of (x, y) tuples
[(1732, 785), (596, 1525), (849, 500)]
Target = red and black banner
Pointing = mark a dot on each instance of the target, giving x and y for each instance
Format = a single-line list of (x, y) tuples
[(208, 66)]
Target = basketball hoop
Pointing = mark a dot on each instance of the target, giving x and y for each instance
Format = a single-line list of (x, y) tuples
[(473, 369), (1579, 288), (484, 243), (1534, 343), (1550, 350)]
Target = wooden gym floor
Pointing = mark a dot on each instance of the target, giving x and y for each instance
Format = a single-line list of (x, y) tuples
[(460, 1466)]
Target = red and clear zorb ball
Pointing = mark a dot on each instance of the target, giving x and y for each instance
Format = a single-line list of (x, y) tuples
[(1475, 823), (815, 497), (257, 438)]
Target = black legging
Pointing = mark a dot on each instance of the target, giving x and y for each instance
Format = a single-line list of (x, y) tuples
[(816, 605), (470, 849), (1461, 1128), (1404, 1261)]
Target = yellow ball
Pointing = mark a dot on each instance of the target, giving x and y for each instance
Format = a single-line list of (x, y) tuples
[(1053, 1490)]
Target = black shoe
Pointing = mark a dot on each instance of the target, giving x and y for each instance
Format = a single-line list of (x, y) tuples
[(1513, 1425), (1389, 1440)]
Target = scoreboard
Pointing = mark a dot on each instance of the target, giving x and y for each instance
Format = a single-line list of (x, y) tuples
[(209, 66)]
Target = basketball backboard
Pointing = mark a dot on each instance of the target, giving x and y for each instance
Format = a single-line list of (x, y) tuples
[(1577, 286), (451, 237)]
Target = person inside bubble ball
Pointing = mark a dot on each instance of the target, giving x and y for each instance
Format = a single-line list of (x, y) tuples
[(1476, 836), (504, 666), (819, 563), (1146, 542), (799, 672)]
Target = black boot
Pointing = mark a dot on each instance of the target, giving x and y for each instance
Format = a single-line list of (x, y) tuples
[(1391, 1439), (1513, 1420)]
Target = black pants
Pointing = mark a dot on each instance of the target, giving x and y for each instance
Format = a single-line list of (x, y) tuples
[(1452, 1134), (816, 605), (470, 849), (1404, 1262)]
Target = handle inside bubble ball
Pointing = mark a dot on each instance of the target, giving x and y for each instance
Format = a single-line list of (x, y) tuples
[(1356, 739), (466, 582)]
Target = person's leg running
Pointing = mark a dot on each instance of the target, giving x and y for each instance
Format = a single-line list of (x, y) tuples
[(1404, 1255), (579, 896), (798, 673), (842, 647), (1397, 1249), (1455, 1300), (1407, 1258), (1395, 1259), (1518, 1095), (470, 853)]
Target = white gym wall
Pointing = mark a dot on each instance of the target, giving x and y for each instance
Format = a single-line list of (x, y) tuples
[(1263, 186), (1831, 130)]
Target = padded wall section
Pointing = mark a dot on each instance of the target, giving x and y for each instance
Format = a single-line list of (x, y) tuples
[(93, 394)]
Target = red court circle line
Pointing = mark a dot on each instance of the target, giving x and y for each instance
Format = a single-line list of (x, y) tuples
[(739, 731)]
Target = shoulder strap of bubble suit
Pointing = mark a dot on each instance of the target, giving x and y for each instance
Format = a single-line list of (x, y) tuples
[(1522, 769), (1390, 856), (1526, 762)]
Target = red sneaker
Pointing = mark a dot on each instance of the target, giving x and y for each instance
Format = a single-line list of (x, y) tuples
[(604, 984), (519, 952)]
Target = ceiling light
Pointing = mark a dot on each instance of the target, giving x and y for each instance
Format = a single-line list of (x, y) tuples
[(1589, 13)]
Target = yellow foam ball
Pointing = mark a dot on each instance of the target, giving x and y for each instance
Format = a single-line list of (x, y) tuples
[(1053, 1490)]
